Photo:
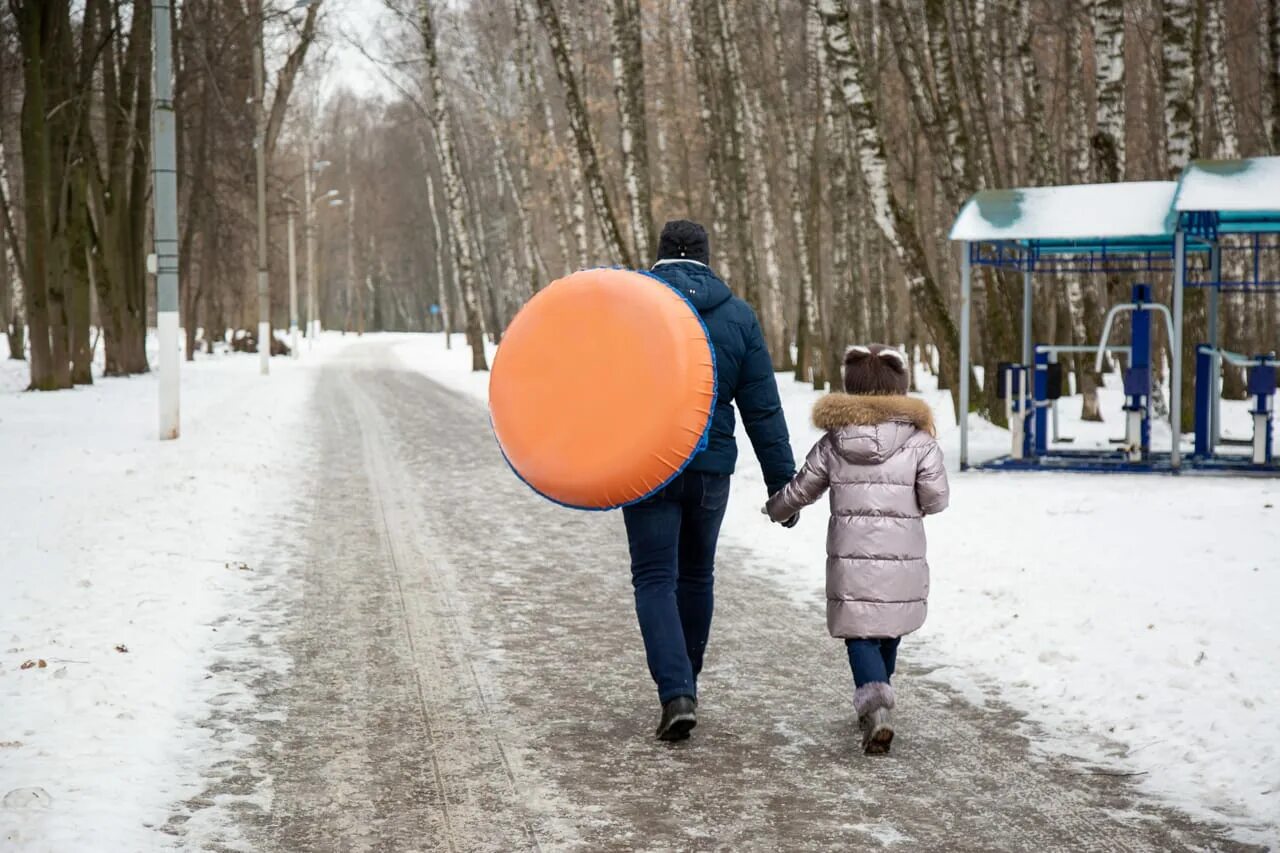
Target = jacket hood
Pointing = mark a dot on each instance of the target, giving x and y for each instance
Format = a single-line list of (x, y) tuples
[(696, 282), (868, 430)]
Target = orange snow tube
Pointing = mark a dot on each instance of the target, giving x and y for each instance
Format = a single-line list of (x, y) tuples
[(603, 388)]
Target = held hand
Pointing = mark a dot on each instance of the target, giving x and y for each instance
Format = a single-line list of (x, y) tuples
[(791, 522)]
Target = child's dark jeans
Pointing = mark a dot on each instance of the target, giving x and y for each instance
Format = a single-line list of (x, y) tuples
[(872, 660)]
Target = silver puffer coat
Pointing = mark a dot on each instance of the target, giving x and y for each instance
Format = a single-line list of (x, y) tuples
[(884, 468)]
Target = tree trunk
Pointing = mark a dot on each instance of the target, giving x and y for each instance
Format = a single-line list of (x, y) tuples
[(118, 194), (1222, 100), (31, 17), (454, 190), (11, 268), (701, 24), (445, 286), (790, 141), (899, 228), (1108, 142), (627, 46), (581, 127), (1181, 28), (1272, 78), (733, 93)]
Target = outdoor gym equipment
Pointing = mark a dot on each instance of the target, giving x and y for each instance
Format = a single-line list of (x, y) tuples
[(1178, 229), (1030, 392), (1261, 386)]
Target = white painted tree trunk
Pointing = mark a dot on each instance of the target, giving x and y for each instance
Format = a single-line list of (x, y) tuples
[(438, 111), (627, 47), (1108, 141)]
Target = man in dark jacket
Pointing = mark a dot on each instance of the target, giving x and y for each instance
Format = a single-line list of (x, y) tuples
[(672, 534)]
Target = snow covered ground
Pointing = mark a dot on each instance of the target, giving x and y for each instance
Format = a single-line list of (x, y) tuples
[(127, 565), (1132, 618)]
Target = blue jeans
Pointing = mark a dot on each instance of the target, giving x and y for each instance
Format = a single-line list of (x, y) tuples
[(872, 660), (672, 537)]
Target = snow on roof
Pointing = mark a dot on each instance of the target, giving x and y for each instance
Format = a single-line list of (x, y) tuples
[(1230, 185), (1138, 209)]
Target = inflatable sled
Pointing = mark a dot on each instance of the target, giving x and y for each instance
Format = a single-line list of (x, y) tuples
[(603, 388)]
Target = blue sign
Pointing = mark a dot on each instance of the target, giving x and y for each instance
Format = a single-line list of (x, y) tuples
[(435, 309)]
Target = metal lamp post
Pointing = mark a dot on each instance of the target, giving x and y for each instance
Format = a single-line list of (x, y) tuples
[(165, 176)]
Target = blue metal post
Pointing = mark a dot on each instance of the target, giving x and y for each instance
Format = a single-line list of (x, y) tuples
[(1139, 390), (1262, 385), (1040, 402), (1204, 401)]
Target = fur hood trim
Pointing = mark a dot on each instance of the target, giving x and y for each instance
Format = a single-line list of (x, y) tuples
[(835, 411)]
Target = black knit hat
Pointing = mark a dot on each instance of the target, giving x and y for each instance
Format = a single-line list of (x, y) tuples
[(684, 240)]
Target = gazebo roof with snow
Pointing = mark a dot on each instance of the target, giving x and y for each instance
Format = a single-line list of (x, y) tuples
[(1230, 196), (1137, 216)]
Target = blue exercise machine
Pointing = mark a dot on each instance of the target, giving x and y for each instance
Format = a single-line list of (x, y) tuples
[(1031, 392), (1261, 386)]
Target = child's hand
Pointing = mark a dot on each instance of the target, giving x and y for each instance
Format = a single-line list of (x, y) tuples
[(791, 522)]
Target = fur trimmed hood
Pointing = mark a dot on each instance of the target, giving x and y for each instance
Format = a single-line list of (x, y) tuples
[(836, 411)]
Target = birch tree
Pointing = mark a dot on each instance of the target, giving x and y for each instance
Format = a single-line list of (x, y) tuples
[(1222, 101), (454, 189), (899, 228), (580, 124), (1179, 41), (791, 146), (627, 47), (735, 138), (1108, 141), (700, 25), (1271, 81)]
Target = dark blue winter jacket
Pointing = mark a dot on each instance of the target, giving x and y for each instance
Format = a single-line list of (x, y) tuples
[(745, 375)]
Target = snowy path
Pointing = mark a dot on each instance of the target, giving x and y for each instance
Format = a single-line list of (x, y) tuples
[(468, 676)]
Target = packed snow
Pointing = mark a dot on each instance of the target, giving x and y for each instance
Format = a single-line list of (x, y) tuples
[(128, 565), (1131, 618), (1231, 185), (1134, 209)]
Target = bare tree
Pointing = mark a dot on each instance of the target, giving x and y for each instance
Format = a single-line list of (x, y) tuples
[(627, 46), (459, 227), (580, 124), (898, 227)]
